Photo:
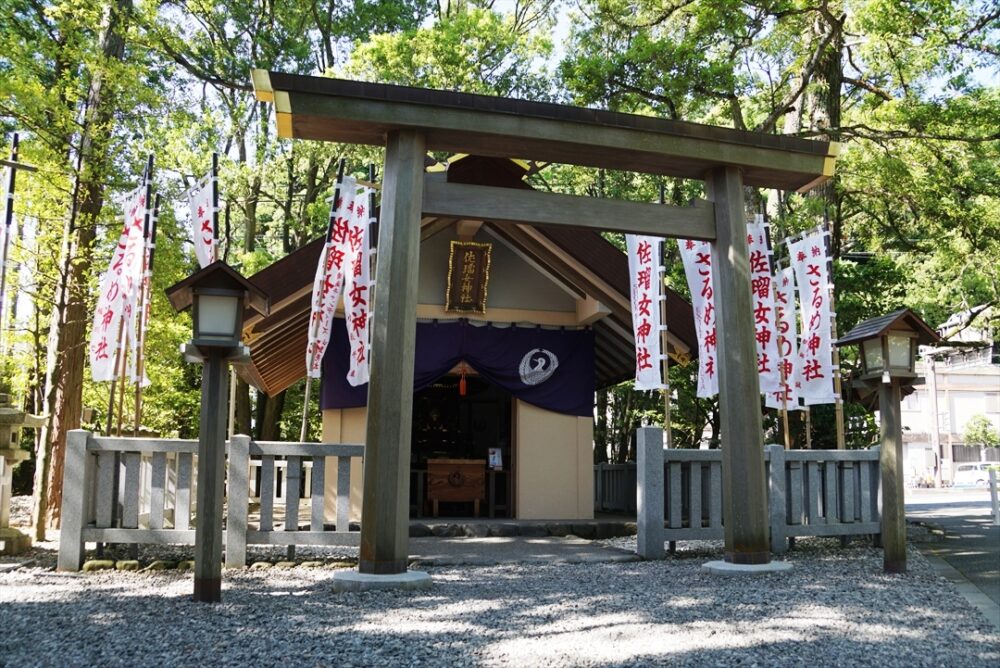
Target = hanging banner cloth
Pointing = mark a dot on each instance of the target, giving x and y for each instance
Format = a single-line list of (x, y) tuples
[(344, 267), (787, 396), (645, 282), (357, 288), (118, 289), (551, 369), (144, 295), (762, 295), (698, 257), (811, 264), (201, 202), (329, 280)]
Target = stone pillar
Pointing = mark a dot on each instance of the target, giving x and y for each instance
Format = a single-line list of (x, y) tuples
[(649, 493)]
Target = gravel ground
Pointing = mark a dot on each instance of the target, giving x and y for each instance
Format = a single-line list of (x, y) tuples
[(835, 607)]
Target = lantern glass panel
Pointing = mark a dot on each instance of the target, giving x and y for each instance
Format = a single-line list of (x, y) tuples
[(217, 317), (873, 354), (899, 351)]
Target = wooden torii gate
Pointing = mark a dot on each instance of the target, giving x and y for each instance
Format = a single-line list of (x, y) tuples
[(411, 121)]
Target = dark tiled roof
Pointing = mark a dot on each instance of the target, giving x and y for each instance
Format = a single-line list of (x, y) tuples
[(878, 325)]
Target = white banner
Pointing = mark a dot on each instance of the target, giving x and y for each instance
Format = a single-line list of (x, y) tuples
[(118, 288), (201, 202), (787, 396), (357, 291), (333, 261), (698, 257), (810, 261), (762, 295), (645, 283)]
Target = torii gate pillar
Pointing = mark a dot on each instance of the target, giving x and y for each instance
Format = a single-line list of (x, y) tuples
[(744, 487), (385, 518)]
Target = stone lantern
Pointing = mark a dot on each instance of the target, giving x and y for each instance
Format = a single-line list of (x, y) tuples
[(888, 350), (12, 541)]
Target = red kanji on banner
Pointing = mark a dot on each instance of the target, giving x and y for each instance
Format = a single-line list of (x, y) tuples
[(758, 262), (644, 329), (642, 358), (812, 370), (357, 295), (761, 286), (339, 231), (644, 276), (762, 363), (643, 304), (644, 251)]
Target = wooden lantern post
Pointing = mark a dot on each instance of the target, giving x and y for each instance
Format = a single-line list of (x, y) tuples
[(888, 346), (218, 295)]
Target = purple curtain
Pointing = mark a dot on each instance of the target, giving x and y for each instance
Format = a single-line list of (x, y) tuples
[(550, 368)]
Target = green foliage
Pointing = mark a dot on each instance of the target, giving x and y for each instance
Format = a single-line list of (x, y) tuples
[(979, 430)]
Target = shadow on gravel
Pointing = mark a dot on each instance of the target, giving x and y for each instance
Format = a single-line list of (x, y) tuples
[(834, 607)]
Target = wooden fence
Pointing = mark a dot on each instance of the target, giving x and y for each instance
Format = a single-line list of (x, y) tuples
[(141, 491), (810, 493)]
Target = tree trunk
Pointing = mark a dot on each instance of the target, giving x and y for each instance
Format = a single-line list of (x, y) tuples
[(67, 342), (243, 408), (269, 416)]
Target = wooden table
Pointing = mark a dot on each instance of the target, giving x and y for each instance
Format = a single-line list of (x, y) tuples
[(456, 480)]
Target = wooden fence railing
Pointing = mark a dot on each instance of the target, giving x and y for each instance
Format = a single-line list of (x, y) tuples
[(810, 493), (136, 491)]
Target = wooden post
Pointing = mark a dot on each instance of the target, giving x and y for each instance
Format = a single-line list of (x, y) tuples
[(744, 486), (890, 464), (385, 506), (211, 470)]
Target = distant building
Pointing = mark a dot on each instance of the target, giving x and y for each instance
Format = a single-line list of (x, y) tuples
[(967, 382)]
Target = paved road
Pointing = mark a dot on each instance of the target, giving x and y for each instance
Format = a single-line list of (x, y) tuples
[(971, 542)]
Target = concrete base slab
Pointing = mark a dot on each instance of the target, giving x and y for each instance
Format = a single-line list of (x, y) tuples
[(726, 568), (354, 581)]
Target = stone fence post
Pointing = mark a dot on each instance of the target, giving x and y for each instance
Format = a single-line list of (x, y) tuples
[(777, 498), (238, 499), (649, 493), (75, 501)]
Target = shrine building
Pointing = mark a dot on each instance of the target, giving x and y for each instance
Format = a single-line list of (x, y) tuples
[(517, 325)]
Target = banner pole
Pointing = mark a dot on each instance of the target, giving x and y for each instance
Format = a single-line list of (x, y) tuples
[(146, 295), (114, 381), (664, 334), (837, 383), (305, 410), (8, 222), (215, 206)]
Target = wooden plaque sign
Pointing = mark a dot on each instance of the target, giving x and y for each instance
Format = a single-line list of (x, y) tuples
[(468, 276)]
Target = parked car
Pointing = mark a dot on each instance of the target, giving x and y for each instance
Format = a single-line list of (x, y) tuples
[(972, 474)]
